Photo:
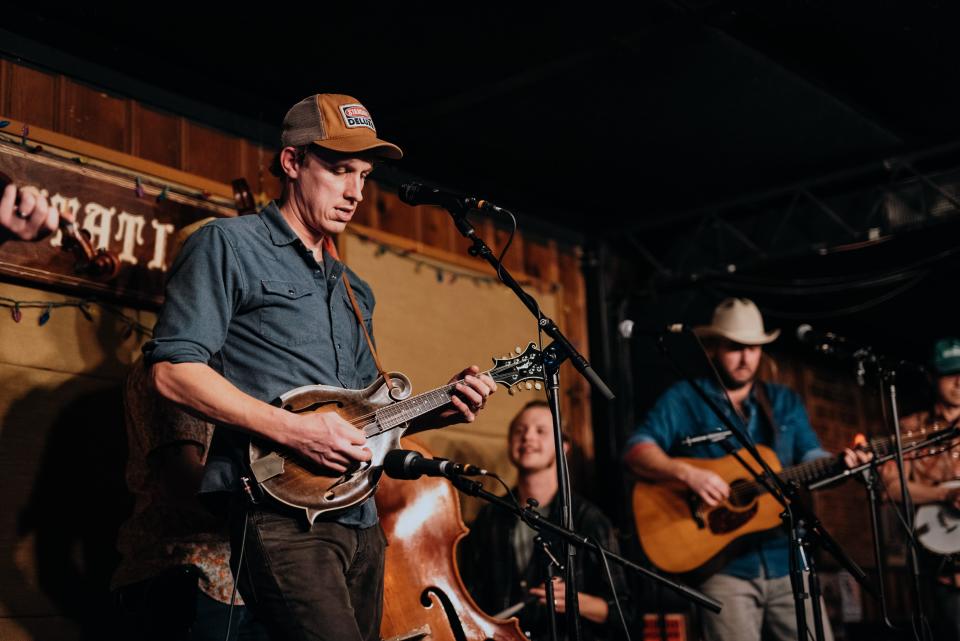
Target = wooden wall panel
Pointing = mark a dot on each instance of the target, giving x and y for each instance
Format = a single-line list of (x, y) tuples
[(437, 229), (32, 96), (211, 153), (540, 260), (95, 116), (397, 217), (156, 136), (514, 260), (255, 167)]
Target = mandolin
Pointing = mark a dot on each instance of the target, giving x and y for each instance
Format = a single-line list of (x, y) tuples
[(681, 534), (383, 414)]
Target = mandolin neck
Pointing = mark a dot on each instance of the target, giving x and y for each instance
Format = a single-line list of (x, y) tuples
[(415, 406)]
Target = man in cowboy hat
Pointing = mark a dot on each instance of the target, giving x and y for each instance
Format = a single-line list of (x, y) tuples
[(753, 586)]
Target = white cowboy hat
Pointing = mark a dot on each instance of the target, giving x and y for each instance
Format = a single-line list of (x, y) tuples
[(738, 320)]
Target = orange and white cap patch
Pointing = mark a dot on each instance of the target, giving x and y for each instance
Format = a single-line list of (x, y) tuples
[(356, 115)]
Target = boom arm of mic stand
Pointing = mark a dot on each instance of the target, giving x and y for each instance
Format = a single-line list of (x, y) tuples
[(482, 250), (537, 522)]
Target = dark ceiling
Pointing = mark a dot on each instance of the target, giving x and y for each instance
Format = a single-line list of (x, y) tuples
[(589, 119)]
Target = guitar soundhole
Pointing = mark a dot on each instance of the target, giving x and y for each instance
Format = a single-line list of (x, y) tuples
[(740, 494)]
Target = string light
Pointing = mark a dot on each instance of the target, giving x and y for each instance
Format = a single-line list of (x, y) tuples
[(419, 263), (84, 305)]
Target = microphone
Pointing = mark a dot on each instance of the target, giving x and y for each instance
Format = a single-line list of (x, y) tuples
[(628, 328), (830, 343), (841, 347), (417, 194), (410, 465)]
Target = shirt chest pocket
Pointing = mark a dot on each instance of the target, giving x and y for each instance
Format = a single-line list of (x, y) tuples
[(291, 312)]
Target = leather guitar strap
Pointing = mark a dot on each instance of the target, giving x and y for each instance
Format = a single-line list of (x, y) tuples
[(763, 401), (331, 249)]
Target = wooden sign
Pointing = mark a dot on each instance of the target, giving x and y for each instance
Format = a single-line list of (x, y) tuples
[(139, 229)]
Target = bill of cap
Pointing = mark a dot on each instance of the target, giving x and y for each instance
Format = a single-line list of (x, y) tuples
[(365, 144)]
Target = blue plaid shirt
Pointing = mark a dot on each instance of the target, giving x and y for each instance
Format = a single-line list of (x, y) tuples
[(680, 413)]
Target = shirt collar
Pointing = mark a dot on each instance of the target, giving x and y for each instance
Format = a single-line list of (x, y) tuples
[(277, 227), (719, 394)]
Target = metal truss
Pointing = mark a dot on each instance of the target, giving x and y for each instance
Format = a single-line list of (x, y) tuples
[(844, 211)]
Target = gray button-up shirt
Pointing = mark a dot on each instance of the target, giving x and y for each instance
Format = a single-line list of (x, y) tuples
[(246, 297)]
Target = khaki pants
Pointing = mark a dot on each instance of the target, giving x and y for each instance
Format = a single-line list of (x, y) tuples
[(752, 606)]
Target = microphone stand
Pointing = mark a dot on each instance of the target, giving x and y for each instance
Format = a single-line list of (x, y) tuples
[(553, 564), (886, 375), (803, 527), (554, 355)]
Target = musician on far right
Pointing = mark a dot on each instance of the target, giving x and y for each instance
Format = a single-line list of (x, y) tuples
[(929, 483)]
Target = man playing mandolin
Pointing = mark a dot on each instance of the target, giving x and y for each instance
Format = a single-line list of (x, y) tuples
[(929, 481), (259, 305), (753, 585)]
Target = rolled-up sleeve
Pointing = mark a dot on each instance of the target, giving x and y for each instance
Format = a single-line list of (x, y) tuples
[(204, 291), (662, 423)]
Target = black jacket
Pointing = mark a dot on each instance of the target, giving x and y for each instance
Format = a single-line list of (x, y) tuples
[(489, 569)]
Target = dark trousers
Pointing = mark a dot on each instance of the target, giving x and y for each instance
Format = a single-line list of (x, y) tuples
[(946, 612), (170, 607), (319, 583)]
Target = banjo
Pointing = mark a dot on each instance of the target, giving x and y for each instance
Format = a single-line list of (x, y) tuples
[(937, 525)]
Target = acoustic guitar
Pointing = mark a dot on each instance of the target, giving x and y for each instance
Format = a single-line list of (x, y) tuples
[(382, 414), (681, 534)]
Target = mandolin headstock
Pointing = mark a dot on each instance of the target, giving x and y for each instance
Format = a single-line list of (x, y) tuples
[(521, 370)]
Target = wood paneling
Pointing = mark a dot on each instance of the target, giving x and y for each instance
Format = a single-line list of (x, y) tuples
[(540, 260), (397, 217), (437, 228), (95, 116), (210, 153), (255, 167), (156, 136), (32, 96), (514, 259)]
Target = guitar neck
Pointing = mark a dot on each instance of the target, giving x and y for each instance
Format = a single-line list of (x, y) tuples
[(812, 471), (416, 406)]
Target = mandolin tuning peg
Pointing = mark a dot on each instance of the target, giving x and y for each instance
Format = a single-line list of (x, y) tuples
[(518, 350), (510, 390), (538, 386), (529, 385)]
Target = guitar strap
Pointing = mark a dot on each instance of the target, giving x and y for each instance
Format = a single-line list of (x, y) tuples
[(331, 249), (763, 402)]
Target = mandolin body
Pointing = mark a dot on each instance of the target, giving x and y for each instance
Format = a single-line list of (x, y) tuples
[(299, 484)]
